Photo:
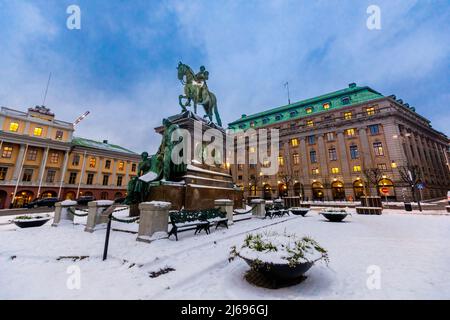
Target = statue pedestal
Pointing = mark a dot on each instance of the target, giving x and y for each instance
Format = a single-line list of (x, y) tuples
[(134, 210), (196, 185)]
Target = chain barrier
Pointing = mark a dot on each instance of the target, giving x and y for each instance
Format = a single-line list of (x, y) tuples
[(245, 212), (71, 211)]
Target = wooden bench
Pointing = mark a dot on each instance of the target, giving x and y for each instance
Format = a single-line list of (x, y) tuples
[(369, 210), (200, 219), (276, 210)]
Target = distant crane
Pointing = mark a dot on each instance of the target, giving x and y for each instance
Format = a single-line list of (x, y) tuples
[(80, 118)]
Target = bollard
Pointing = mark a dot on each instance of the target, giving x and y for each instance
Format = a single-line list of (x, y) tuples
[(225, 205), (62, 213), (260, 208), (154, 221), (95, 216)]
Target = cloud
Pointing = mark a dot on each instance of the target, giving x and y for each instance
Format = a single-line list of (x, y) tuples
[(121, 65)]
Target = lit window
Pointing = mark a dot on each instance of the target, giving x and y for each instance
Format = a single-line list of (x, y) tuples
[(252, 149), (294, 142), (350, 132), (326, 106), (7, 152), (309, 123), (280, 160), (370, 111), (13, 126), (92, 162), (348, 115), (393, 165), (121, 165), (378, 149), (356, 168), (37, 131), (54, 157), (309, 110), (315, 171), (335, 170), (382, 166)]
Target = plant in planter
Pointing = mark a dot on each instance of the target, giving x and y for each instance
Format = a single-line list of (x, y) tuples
[(29, 221), (334, 214), (279, 256)]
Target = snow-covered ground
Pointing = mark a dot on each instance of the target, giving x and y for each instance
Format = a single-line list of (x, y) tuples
[(409, 252)]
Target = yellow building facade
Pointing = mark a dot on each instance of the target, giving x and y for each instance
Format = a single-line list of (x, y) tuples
[(40, 157)]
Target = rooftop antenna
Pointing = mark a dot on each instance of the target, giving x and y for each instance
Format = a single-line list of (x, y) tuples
[(287, 87), (46, 89)]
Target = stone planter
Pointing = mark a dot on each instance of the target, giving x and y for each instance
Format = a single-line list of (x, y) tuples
[(31, 223), (299, 211), (334, 216), (280, 271)]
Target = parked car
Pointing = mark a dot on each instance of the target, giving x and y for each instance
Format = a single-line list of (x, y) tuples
[(83, 201), (448, 197), (43, 202)]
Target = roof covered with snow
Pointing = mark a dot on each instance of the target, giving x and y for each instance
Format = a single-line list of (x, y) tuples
[(83, 142)]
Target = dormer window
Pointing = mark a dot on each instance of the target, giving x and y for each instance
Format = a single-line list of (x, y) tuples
[(309, 110), (242, 126), (252, 124), (265, 120), (278, 117), (346, 100), (326, 106), (293, 113)]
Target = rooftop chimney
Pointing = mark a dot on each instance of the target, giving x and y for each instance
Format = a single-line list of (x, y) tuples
[(352, 85), (105, 141)]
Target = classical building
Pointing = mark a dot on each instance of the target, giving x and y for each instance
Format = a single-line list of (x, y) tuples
[(40, 157), (329, 143)]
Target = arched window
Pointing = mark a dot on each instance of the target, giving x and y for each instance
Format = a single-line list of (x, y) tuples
[(317, 190), (337, 188)]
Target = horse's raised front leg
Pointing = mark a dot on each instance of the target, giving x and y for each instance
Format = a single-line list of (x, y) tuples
[(183, 107)]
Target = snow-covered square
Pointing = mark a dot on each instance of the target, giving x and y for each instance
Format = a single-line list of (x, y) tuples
[(392, 256)]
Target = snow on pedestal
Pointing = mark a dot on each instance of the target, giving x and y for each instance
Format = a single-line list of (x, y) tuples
[(259, 211), (154, 220), (225, 205)]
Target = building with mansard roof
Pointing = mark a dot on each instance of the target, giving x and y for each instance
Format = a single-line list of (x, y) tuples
[(329, 143)]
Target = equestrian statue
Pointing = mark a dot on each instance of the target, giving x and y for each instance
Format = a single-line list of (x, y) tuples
[(196, 91)]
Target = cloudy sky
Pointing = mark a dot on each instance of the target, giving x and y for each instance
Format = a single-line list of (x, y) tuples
[(121, 65)]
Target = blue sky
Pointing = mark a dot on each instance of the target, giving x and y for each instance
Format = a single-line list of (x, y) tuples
[(121, 65)]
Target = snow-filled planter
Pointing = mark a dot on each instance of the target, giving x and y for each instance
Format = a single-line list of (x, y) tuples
[(299, 211), (334, 214), (279, 256), (30, 221)]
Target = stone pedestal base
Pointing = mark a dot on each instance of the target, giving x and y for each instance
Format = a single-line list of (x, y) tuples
[(95, 216), (62, 214), (134, 210), (225, 205), (154, 221), (260, 208)]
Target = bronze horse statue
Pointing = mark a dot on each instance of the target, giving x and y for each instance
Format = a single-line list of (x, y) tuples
[(196, 91)]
